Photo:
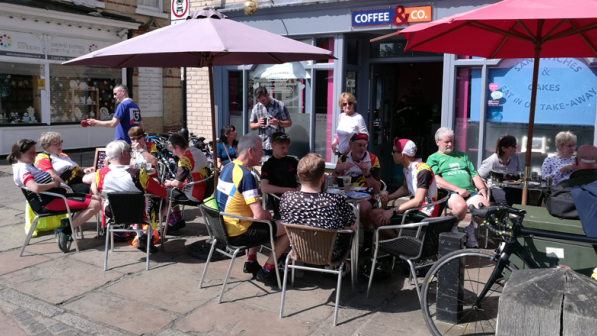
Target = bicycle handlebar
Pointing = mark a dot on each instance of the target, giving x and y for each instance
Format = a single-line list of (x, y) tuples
[(490, 214)]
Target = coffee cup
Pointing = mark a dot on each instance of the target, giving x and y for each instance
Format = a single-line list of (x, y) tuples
[(265, 121)]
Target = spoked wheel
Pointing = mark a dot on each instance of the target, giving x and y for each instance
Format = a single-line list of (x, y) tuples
[(451, 287)]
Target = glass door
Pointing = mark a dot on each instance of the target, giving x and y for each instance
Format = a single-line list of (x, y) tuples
[(381, 135)]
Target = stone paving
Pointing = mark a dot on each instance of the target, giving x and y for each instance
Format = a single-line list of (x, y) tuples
[(47, 292)]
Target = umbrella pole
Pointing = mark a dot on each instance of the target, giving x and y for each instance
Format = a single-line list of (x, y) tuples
[(213, 119), (527, 161)]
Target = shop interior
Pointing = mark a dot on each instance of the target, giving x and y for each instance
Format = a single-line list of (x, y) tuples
[(20, 97), (406, 104)]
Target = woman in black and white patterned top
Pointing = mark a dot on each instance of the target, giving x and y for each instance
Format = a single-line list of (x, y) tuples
[(561, 166), (311, 207)]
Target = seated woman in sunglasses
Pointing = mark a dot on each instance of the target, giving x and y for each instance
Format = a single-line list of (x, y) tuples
[(26, 174), (60, 167), (143, 151)]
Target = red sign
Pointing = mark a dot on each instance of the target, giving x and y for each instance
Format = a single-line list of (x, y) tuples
[(180, 9)]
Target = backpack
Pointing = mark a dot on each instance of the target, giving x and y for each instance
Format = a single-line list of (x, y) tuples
[(585, 198), (560, 204)]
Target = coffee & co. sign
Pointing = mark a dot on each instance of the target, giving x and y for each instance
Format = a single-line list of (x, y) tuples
[(398, 16)]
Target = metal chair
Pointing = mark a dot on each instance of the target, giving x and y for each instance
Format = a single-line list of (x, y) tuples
[(214, 219), (43, 214), (313, 246), (442, 204), (410, 249), (127, 209), (209, 190)]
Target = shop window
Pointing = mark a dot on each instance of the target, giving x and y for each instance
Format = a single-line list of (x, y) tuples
[(324, 113), (82, 92), (151, 8), (351, 82), (20, 95), (326, 43), (466, 129), (285, 82), (566, 100), (352, 52), (235, 101)]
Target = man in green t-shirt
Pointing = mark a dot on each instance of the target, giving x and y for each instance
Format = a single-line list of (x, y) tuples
[(455, 173)]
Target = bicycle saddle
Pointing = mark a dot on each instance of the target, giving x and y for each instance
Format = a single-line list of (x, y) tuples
[(486, 211)]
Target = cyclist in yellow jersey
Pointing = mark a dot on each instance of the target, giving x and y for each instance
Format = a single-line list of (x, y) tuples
[(192, 166)]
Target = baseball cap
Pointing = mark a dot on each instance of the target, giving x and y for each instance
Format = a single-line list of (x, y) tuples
[(359, 136), (405, 146)]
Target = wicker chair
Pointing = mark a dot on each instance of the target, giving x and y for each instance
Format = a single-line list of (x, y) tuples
[(422, 246), (215, 222), (313, 246)]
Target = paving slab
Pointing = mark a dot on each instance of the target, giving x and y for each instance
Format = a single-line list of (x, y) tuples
[(8, 326), (125, 259), (133, 316), (10, 261), (175, 288), (236, 319), (12, 216), (58, 280)]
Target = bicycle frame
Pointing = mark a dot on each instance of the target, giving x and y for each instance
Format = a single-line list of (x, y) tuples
[(512, 246)]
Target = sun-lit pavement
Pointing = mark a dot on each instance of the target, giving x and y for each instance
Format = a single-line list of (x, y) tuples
[(47, 292)]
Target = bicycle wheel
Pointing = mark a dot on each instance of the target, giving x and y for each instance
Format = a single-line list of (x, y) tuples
[(460, 277)]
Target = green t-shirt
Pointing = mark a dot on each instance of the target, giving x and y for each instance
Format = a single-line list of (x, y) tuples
[(455, 168)]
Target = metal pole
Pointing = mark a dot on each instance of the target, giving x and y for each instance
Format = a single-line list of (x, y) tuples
[(527, 162), (213, 115), (183, 103)]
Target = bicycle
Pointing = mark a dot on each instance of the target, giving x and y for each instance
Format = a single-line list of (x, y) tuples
[(469, 305)]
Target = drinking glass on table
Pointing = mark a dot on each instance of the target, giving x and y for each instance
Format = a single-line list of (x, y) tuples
[(384, 197), (347, 180)]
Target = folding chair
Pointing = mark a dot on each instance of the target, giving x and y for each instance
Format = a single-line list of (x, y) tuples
[(47, 213), (209, 190), (314, 246), (127, 209), (410, 249), (214, 219)]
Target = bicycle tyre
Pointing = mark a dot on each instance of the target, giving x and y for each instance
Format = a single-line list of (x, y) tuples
[(470, 321)]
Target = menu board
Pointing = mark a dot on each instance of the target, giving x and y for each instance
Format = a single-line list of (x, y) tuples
[(150, 92), (100, 156)]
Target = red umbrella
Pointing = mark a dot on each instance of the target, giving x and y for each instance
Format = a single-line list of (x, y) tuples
[(514, 29), (208, 39)]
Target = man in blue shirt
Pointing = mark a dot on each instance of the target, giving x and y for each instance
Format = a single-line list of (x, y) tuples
[(127, 115)]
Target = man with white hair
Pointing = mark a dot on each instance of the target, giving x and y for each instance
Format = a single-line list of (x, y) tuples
[(119, 176), (237, 194), (455, 172), (586, 163)]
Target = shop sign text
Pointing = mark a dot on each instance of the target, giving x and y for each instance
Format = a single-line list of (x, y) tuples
[(397, 16)]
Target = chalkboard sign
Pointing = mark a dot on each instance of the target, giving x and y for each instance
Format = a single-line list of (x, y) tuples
[(100, 156)]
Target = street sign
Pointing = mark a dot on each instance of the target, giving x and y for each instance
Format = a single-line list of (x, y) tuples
[(179, 11)]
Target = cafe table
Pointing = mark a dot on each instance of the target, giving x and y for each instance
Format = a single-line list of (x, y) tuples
[(354, 258)]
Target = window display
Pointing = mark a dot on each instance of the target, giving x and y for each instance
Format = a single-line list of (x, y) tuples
[(82, 92), (20, 97)]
